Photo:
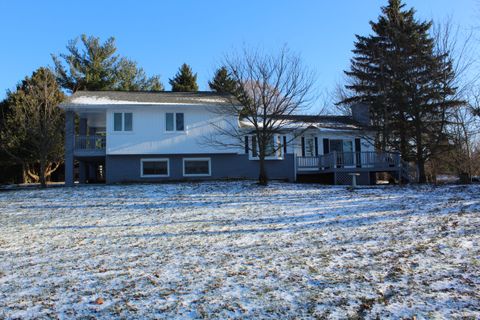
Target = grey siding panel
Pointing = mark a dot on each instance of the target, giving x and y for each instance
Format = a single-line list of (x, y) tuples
[(126, 168)]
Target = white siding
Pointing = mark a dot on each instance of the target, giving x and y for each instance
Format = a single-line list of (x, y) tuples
[(150, 137)]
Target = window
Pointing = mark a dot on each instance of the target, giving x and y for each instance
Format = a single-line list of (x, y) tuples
[(254, 147), (309, 147), (270, 148), (151, 168), (196, 167), (174, 122), (169, 122), (179, 121), (122, 121), (127, 121), (273, 148), (117, 121)]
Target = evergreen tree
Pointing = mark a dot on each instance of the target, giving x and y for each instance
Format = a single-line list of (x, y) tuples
[(222, 82), (129, 77), (397, 72), (95, 66), (184, 80), (32, 128), (8, 170)]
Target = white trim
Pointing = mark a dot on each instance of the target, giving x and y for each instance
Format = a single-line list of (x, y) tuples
[(197, 159), (142, 160)]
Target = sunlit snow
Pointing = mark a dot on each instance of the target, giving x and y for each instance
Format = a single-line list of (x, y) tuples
[(236, 250)]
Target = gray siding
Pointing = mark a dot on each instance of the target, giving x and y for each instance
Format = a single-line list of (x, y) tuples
[(126, 168)]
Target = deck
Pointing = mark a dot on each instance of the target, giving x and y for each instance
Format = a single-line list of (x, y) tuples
[(350, 162), (343, 164)]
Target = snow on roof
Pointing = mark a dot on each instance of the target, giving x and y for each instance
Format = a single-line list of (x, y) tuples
[(324, 123), (106, 98)]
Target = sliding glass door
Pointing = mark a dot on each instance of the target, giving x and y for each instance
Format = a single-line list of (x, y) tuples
[(344, 150)]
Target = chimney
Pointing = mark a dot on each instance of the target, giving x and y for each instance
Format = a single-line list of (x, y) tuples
[(361, 113)]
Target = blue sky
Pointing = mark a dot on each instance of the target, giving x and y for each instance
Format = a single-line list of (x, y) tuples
[(161, 35)]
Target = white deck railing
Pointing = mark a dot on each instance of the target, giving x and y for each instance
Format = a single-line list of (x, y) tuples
[(337, 160)]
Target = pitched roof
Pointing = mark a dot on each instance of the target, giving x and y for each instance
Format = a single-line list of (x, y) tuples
[(325, 122), (85, 98)]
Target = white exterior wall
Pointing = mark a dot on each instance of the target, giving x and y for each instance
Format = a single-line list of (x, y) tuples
[(150, 137)]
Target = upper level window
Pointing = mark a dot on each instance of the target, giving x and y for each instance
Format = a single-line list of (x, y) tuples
[(174, 122), (122, 121)]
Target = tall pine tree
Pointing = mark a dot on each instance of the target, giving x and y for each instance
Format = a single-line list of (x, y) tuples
[(94, 66), (222, 82), (184, 80), (398, 74)]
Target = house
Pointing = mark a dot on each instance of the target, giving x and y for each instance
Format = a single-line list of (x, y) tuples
[(160, 136)]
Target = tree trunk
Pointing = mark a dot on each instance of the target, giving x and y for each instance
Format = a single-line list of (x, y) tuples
[(422, 178), (26, 177), (42, 178), (262, 177)]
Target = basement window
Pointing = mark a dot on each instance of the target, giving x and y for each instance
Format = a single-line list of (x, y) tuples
[(154, 168), (197, 167)]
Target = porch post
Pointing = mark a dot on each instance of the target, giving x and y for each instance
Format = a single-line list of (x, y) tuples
[(82, 169), (69, 147)]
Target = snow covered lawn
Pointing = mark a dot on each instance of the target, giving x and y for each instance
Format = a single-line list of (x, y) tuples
[(235, 250)]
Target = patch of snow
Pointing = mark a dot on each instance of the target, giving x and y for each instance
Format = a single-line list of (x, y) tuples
[(94, 100), (236, 250)]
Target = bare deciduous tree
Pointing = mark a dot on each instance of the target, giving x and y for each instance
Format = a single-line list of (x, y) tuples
[(270, 89), (462, 124)]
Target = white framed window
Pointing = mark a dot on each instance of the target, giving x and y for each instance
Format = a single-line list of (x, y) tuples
[(197, 167), (122, 121), (274, 148), (309, 147), (174, 121), (154, 168)]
